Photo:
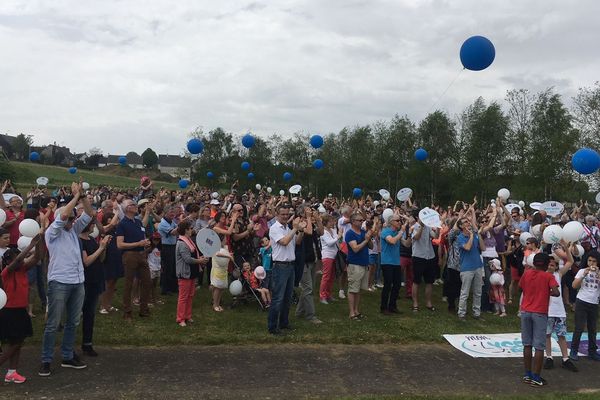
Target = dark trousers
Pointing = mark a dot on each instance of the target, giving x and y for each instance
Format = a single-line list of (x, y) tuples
[(452, 285), (585, 313), (486, 306), (392, 278), (90, 301), (206, 270), (168, 278)]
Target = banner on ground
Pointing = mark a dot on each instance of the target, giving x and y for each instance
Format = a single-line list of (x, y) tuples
[(500, 345)]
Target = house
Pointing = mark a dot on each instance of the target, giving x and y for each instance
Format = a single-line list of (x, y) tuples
[(54, 154), (174, 165), (134, 160)]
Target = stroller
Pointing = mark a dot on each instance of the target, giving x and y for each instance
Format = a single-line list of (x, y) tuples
[(248, 294)]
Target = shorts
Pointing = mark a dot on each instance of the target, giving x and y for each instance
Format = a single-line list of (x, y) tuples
[(533, 330), (557, 325), (373, 259), (423, 270), (358, 278)]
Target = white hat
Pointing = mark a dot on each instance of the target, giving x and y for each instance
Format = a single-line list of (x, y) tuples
[(214, 202), (496, 263)]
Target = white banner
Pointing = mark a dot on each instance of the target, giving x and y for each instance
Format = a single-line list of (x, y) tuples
[(495, 345)]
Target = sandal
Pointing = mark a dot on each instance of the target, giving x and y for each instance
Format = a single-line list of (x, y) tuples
[(355, 318), (509, 301), (361, 316), (432, 308), (218, 309), (415, 309)]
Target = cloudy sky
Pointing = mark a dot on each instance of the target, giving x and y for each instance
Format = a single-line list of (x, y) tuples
[(123, 75)]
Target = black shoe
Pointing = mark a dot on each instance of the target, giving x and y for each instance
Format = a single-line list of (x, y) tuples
[(289, 328), (395, 311), (386, 312), (548, 363), (144, 315), (75, 363), (44, 369), (89, 351), (276, 332), (569, 365), (538, 382)]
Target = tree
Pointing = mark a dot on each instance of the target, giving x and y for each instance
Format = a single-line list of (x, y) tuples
[(586, 110), (21, 146), (149, 158)]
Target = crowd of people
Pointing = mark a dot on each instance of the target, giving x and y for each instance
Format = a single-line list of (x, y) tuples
[(276, 246)]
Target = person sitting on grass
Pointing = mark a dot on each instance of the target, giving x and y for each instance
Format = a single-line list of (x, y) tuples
[(537, 286)]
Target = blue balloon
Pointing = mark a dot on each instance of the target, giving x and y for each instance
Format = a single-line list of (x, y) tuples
[(287, 176), (421, 154), (318, 163), (245, 165), (250, 175), (586, 161), (357, 192), (210, 175), (34, 156), (122, 160), (72, 170), (195, 146), (477, 53), (248, 140), (316, 141), (183, 183)]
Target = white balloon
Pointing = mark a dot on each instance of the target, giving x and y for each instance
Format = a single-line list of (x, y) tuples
[(387, 214), (573, 231), (235, 288), (215, 195), (3, 299), (85, 186), (94, 233), (504, 194), (375, 203), (385, 195), (523, 237), (536, 230), (281, 192), (522, 204), (258, 187), (553, 234), (23, 242), (2, 217), (29, 227), (269, 190)]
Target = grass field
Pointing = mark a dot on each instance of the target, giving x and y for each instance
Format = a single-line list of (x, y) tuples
[(28, 172), (247, 324)]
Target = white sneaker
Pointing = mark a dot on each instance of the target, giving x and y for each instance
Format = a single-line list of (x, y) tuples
[(323, 301), (103, 311), (371, 289), (341, 294), (379, 285)]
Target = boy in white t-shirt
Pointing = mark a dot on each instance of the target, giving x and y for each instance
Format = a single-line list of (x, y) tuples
[(557, 316), (586, 308)]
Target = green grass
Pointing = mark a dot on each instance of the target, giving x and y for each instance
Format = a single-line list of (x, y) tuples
[(28, 172), (538, 396), (247, 324)]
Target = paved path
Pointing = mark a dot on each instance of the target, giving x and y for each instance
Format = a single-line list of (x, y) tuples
[(288, 372)]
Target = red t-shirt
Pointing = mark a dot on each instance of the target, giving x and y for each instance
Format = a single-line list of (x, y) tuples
[(14, 228), (536, 285), (16, 286)]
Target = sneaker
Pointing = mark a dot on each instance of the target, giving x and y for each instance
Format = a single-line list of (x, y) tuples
[(315, 321), (44, 369), (89, 351), (136, 302), (341, 294), (331, 300), (74, 363), (323, 301), (548, 363), (573, 355), (371, 289), (594, 356), (103, 311), (536, 382), (568, 364), (379, 285), (182, 324), (113, 309), (14, 378), (526, 379)]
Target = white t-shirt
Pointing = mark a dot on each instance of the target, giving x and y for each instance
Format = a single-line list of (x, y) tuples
[(556, 307), (329, 244), (282, 253), (590, 287)]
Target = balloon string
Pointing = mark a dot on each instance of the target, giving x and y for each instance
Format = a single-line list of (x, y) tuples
[(444, 92)]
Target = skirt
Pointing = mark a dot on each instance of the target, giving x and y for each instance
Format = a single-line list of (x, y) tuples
[(15, 325)]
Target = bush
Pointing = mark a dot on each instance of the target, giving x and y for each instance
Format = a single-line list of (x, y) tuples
[(7, 170)]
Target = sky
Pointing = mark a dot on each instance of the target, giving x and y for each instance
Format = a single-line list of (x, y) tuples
[(126, 75)]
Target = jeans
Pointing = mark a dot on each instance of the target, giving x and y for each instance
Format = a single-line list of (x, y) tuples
[(470, 279), (62, 296), (585, 313), (392, 277), (90, 301), (282, 284), (306, 302)]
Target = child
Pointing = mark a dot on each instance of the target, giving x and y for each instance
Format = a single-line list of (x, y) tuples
[(586, 308), (537, 285), (497, 295), (265, 294), (265, 254), (154, 265), (15, 323), (557, 316)]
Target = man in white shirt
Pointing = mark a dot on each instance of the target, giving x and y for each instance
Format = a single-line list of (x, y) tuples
[(283, 241)]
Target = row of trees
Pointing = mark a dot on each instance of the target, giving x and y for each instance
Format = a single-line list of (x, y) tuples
[(526, 146)]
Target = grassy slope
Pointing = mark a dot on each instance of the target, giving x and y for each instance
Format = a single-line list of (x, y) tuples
[(28, 172)]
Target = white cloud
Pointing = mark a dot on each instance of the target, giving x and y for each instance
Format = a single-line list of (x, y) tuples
[(125, 75)]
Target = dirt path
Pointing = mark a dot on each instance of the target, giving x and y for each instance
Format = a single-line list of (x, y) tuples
[(288, 372)]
